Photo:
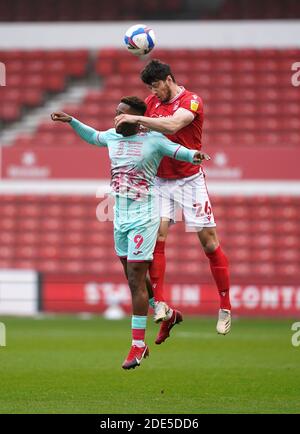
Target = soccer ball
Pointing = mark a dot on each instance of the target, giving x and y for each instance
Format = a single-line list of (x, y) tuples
[(139, 39)]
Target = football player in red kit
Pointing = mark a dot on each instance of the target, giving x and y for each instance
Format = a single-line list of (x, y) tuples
[(178, 113)]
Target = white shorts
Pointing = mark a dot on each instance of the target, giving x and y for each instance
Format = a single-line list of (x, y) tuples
[(186, 197)]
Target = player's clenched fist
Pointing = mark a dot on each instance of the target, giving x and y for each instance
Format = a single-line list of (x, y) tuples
[(61, 116), (200, 156)]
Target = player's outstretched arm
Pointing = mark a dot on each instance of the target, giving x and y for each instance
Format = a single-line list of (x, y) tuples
[(174, 150), (87, 133), (164, 125)]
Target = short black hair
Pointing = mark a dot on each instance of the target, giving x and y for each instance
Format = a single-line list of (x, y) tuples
[(156, 70), (135, 103)]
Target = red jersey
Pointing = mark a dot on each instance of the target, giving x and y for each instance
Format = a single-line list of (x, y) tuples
[(189, 136)]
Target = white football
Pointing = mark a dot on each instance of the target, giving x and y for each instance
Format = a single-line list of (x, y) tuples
[(139, 39)]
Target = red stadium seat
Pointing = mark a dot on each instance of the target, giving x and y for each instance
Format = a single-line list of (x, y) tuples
[(289, 270), (28, 238), (10, 112), (7, 252), (264, 269)]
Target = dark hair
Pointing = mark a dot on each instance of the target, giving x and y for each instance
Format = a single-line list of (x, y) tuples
[(155, 70), (135, 103)]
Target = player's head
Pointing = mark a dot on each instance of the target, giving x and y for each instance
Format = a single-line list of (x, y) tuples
[(159, 78), (130, 105)]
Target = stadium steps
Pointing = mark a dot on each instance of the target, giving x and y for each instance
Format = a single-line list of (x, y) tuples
[(35, 77), (74, 94)]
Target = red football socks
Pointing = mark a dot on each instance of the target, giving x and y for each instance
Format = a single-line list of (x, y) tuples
[(157, 270), (219, 268)]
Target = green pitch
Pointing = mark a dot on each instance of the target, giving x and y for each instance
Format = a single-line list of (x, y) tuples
[(68, 365)]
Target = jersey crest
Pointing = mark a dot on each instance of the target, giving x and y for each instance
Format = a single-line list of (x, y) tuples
[(194, 105)]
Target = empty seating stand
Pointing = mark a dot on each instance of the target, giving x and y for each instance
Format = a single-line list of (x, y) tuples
[(33, 75), (92, 10), (61, 234), (89, 10), (247, 94)]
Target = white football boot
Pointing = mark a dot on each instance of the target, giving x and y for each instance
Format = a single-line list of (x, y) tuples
[(224, 322), (161, 311)]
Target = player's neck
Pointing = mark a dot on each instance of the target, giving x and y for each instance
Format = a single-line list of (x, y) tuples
[(175, 91)]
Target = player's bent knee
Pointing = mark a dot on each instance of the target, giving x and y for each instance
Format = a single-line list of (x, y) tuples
[(162, 234), (163, 230), (210, 247), (209, 241)]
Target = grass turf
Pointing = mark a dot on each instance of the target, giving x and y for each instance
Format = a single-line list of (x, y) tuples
[(67, 365)]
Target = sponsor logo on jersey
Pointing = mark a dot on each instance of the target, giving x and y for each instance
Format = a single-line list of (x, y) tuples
[(194, 105)]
